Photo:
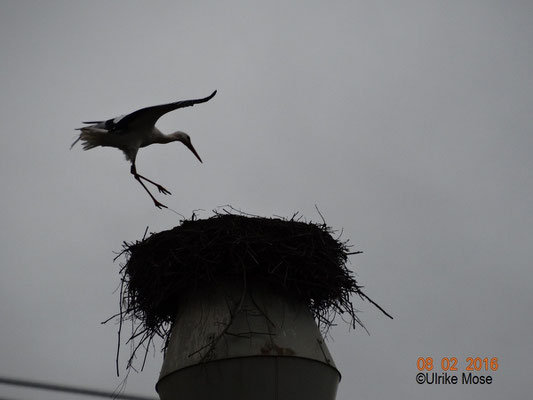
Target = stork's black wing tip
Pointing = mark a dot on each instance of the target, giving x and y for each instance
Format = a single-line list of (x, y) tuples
[(205, 98)]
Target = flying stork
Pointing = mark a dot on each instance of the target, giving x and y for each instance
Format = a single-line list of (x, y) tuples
[(133, 131)]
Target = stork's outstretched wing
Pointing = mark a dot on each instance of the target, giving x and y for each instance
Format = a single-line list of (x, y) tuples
[(147, 116)]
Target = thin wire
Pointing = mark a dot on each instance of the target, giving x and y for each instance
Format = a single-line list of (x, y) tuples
[(70, 389)]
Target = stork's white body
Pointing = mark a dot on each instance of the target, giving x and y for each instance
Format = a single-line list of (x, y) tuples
[(132, 131), (130, 143)]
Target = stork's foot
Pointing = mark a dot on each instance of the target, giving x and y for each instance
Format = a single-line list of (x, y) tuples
[(162, 189), (159, 205)]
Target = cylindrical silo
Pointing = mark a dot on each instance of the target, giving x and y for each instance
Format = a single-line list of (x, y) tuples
[(245, 340)]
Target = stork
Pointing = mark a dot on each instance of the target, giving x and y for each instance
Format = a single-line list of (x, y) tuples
[(131, 132)]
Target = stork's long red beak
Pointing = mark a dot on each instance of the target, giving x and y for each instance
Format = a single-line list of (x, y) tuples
[(191, 148)]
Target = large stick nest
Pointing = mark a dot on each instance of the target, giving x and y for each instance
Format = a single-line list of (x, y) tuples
[(292, 256)]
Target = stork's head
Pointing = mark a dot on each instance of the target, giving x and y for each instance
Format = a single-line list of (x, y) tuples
[(186, 140)]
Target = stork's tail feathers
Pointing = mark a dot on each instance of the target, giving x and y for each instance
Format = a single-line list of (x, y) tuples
[(76, 141), (91, 137)]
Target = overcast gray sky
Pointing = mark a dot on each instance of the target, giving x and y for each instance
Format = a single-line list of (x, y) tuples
[(407, 123)]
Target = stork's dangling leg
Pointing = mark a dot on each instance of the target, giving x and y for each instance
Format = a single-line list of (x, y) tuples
[(161, 188), (157, 185)]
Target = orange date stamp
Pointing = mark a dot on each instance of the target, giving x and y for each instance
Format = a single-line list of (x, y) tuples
[(451, 364)]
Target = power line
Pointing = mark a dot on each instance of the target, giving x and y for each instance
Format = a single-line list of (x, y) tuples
[(71, 389)]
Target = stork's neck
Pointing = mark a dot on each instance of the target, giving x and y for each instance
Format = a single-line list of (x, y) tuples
[(159, 137)]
